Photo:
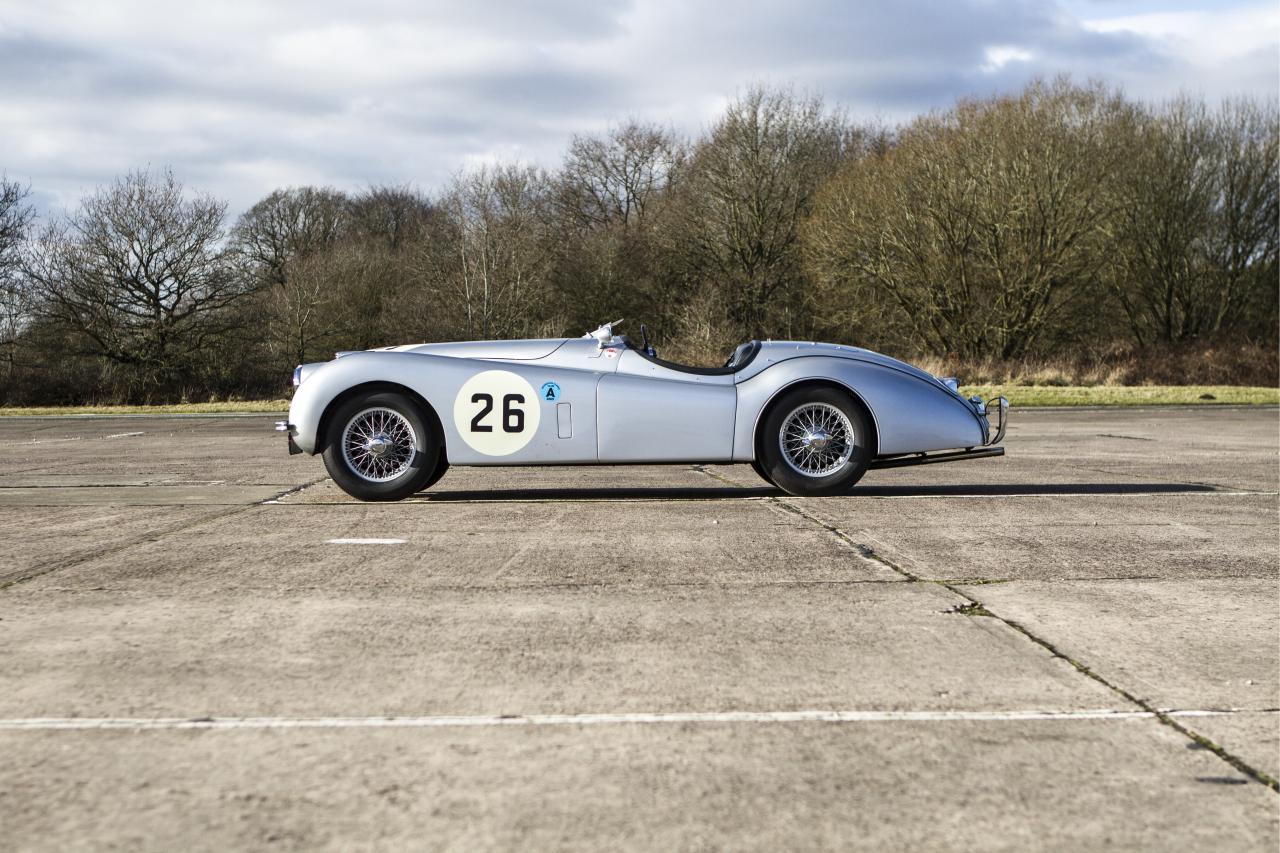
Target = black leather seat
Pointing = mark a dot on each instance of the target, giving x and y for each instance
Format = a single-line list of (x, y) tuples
[(743, 355)]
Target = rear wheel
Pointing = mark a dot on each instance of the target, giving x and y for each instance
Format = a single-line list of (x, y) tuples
[(815, 441), (759, 469), (380, 447)]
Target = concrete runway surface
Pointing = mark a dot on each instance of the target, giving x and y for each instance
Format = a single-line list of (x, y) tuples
[(1073, 647)]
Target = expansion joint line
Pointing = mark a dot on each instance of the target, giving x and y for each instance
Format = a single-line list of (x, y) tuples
[(1163, 716)]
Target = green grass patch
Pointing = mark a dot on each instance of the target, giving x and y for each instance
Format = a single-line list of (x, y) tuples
[(236, 407), (1028, 396)]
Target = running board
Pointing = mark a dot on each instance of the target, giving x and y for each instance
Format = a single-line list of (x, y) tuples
[(931, 458)]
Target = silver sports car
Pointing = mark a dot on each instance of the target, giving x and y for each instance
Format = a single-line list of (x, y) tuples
[(811, 418)]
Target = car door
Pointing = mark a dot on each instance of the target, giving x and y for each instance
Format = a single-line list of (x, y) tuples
[(646, 412), (525, 412)]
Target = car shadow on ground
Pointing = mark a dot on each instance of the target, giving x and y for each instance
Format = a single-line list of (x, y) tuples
[(712, 493)]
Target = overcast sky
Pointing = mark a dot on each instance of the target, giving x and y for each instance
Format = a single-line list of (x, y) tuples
[(242, 96)]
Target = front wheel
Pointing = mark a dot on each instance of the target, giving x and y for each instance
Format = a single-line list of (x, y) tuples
[(815, 442), (380, 447)]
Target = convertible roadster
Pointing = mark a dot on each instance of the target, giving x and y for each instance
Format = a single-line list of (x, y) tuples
[(811, 418)]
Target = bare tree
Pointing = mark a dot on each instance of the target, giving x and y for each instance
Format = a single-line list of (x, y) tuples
[(392, 215), (749, 186), (979, 224), (613, 179), (491, 271), (272, 241), (286, 224), (1198, 236), (16, 302), (16, 216), (140, 271), (1243, 249), (347, 287), (1062, 222), (607, 199)]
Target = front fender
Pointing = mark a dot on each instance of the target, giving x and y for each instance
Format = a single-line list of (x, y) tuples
[(564, 432), (323, 384), (911, 414)]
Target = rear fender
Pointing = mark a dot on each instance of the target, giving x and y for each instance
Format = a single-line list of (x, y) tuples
[(911, 414)]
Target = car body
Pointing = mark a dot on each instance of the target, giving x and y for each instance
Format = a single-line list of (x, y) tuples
[(603, 399)]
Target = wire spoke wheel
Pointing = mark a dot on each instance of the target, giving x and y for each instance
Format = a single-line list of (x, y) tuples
[(378, 444), (817, 439)]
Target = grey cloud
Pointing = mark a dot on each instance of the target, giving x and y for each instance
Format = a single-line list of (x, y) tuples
[(545, 19), (32, 66), (538, 91), (514, 77)]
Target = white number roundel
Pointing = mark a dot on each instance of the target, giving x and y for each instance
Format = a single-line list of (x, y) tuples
[(496, 412)]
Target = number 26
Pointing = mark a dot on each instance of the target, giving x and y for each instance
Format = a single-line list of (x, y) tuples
[(512, 417)]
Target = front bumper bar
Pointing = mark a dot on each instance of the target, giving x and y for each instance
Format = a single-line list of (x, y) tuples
[(1002, 409), (291, 430)]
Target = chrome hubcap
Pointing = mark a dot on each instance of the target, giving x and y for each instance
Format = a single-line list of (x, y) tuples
[(816, 439), (378, 444)]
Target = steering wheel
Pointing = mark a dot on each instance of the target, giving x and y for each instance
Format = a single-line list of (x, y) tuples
[(644, 342)]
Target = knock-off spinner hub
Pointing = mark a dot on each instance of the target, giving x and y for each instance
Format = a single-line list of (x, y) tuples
[(817, 439)]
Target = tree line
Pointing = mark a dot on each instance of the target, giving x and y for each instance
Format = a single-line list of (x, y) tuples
[(1063, 220)]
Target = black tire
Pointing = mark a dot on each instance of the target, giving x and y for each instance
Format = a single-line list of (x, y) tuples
[(442, 468), (790, 478), (759, 469), (425, 466)]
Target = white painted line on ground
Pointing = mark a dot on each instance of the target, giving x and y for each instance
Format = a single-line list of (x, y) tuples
[(138, 723), (365, 541), (79, 438)]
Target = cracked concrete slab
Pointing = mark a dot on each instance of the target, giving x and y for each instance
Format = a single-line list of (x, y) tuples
[(1059, 537), (232, 450), (1232, 447), (1253, 736), (515, 650), (1229, 448), (186, 494), (287, 547), (80, 480), (1009, 786), (628, 483), (1175, 644), (41, 536), (643, 589)]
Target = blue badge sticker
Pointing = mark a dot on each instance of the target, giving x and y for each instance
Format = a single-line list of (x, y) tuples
[(550, 392)]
